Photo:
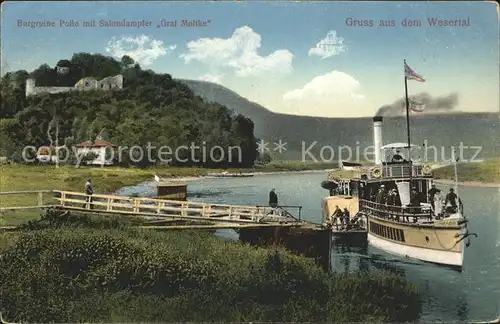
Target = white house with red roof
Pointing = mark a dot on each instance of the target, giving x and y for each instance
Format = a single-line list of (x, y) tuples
[(43, 154), (99, 147)]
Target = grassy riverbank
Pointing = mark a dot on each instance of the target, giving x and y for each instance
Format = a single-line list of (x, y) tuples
[(68, 269), (88, 269), (487, 172)]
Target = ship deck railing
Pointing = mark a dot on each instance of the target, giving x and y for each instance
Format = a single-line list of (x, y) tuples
[(401, 212), (401, 170)]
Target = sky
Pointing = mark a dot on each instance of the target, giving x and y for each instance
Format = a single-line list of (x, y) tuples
[(305, 58)]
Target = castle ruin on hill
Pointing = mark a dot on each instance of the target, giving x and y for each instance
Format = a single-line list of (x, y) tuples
[(84, 84)]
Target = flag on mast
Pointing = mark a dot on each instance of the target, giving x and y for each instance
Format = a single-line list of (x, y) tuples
[(416, 106), (412, 75)]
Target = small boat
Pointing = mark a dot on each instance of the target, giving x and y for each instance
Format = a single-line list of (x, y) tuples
[(343, 194), (226, 174)]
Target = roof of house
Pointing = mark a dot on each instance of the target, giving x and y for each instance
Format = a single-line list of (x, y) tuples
[(97, 143), (43, 151)]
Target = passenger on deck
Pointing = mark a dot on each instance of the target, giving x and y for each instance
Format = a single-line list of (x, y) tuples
[(451, 201), (397, 157), (380, 194), (431, 194), (385, 195), (438, 203), (394, 201), (391, 197), (415, 202), (347, 218), (336, 217), (273, 198)]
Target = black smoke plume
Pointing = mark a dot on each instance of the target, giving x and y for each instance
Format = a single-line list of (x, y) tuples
[(397, 108)]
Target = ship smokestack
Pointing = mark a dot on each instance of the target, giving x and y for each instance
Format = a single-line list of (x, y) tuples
[(377, 139)]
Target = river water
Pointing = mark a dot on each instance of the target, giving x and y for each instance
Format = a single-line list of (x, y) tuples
[(451, 296)]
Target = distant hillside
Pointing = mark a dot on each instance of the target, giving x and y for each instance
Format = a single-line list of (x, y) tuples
[(444, 130)]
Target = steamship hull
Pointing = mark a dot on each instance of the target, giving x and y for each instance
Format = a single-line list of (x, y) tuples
[(434, 243)]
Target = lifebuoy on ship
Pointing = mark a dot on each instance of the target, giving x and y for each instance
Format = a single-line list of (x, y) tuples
[(377, 172), (426, 169)]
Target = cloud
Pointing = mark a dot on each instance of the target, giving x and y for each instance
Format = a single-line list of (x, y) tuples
[(329, 46), (329, 95), (143, 49), (239, 52), (215, 78)]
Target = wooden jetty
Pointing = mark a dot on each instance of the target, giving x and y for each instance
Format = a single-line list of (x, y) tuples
[(257, 225)]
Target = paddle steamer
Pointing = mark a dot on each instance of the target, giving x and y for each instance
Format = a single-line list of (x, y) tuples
[(394, 198), (401, 218)]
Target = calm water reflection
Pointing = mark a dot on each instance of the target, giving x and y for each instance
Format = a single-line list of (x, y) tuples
[(449, 295)]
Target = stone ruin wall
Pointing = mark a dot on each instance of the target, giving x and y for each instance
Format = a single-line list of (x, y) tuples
[(109, 83)]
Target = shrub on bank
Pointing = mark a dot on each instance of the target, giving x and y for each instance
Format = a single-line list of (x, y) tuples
[(68, 273)]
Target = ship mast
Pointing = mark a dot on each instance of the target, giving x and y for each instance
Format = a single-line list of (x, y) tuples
[(455, 171), (408, 125)]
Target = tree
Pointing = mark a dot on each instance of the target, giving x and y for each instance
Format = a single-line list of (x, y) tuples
[(127, 61), (264, 158)]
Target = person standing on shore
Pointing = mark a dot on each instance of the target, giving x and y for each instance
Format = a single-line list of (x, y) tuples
[(89, 191), (273, 198)]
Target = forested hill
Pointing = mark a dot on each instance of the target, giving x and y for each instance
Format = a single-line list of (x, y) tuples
[(439, 130), (152, 108)]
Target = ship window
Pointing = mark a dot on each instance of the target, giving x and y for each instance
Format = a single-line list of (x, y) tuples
[(391, 233), (402, 235), (398, 236)]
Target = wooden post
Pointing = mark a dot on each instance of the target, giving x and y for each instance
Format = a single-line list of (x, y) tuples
[(136, 205), (40, 199)]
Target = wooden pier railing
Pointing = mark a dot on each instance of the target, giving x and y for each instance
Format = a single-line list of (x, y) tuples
[(27, 199), (158, 208)]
